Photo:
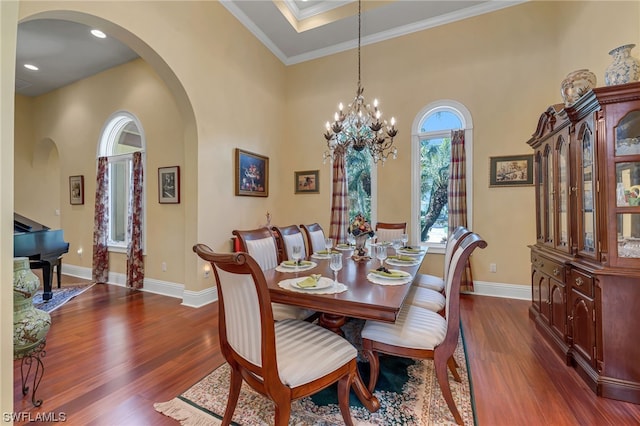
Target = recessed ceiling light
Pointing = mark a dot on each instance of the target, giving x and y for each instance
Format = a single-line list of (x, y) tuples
[(98, 33), (31, 67)]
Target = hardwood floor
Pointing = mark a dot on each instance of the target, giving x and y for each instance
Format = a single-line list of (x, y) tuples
[(112, 353)]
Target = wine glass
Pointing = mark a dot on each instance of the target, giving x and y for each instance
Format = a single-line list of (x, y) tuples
[(328, 244), (335, 265), (381, 254), (397, 243), (405, 239), (351, 240), (296, 255)]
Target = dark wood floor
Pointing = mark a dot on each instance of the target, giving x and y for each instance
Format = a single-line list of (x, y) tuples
[(112, 353)]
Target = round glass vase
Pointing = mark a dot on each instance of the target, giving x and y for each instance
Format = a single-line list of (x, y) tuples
[(624, 68), (576, 84), (30, 325)]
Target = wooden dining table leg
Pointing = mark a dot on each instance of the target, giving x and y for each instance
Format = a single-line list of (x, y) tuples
[(334, 323)]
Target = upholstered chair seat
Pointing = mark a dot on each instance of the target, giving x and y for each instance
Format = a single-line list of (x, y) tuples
[(425, 298), (430, 282)]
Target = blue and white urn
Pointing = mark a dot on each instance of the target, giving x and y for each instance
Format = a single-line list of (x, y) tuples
[(624, 68)]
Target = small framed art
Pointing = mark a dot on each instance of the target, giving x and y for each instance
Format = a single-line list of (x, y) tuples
[(307, 182), (169, 185), (251, 174), (512, 170), (76, 190)]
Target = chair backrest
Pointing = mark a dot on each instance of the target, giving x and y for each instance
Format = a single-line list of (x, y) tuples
[(452, 287), (290, 236), (245, 318), (456, 236), (315, 237), (261, 245), (386, 232)]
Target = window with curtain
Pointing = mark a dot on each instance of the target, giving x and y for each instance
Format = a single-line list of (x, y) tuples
[(360, 182), (121, 137), (431, 161)]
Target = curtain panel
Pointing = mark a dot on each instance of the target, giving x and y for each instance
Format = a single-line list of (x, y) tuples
[(458, 195), (339, 199), (100, 264), (135, 260)]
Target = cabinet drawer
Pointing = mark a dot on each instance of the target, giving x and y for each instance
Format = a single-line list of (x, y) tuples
[(581, 282), (548, 266)]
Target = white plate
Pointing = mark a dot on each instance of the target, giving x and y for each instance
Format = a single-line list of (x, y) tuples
[(404, 276), (410, 252), (344, 247), (322, 283), (304, 264), (321, 256), (396, 262)]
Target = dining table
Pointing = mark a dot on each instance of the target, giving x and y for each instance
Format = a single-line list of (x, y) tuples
[(361, 293)]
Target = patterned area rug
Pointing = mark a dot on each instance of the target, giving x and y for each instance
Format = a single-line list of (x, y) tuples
[(408, 391), (60, 296)]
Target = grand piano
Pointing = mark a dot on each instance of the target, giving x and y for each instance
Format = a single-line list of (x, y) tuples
[(43, 246)]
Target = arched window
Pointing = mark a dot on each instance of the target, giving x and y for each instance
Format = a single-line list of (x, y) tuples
[(431, 158), (122, 135)]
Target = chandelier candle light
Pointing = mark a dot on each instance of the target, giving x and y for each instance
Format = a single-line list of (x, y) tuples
[(361, 126)]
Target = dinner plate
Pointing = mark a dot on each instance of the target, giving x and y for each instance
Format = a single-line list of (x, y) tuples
[(396, 262), (303, 264), (344, 247), (404, 276), (322, 283), (410, 252), (321, 256)]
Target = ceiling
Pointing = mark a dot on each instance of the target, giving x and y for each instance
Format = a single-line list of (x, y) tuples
[(294, 30)]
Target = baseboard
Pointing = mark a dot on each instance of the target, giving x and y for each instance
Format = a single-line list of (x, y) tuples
[(190, 298), (196, 299), (508, 291)]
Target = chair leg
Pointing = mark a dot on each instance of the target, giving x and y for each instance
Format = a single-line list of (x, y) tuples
[(283, 411), (443, 381), (453, 367), (234, 393), (374, 368), (344, 385)]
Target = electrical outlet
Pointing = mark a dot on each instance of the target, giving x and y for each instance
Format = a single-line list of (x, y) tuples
[(207, 273), (493, 267), (164, 266)]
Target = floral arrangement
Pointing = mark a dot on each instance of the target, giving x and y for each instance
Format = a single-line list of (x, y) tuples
[(360, 226)]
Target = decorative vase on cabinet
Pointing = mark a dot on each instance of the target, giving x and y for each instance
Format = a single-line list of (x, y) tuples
[(576, 84), (624, 68)]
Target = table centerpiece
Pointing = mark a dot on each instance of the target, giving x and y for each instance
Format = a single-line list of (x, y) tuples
[(361, 229)]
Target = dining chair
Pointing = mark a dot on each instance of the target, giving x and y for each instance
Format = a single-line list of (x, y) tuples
[(387, 232), (283, 360), (261, 245), (423, 334), (290, 236), (435, 282), (315, 237)]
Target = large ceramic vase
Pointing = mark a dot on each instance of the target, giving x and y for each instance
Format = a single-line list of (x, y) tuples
[(30, 325), (361, 242), (624, 68), (576, 84)]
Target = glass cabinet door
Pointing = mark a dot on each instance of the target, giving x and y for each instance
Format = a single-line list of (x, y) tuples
[(550, 201), (627, 164), (563, 194), (541, 196), (587, 180)]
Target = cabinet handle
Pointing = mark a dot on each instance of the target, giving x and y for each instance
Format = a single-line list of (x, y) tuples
[(570, 318), (579, 281), (556, 271), (541, 264), (574, 188)]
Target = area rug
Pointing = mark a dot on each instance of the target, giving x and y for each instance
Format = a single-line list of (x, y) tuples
[(60, 296), (408, 392)]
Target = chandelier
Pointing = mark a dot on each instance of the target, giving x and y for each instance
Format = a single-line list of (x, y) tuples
[(360, 126)]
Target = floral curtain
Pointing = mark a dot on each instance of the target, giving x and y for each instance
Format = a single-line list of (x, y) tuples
[(135, 260), (458, 195), (100, 273), (339, 199)]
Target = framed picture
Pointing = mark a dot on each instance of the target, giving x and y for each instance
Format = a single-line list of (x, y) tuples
[(307, 182), (513, 170), (169, 185), (76, 189), (252, 174)]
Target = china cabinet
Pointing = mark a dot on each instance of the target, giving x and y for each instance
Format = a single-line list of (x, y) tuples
[(585, 263)]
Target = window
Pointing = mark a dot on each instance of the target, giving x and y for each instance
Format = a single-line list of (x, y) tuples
[(431, 157), (361, 179), (121, 137)]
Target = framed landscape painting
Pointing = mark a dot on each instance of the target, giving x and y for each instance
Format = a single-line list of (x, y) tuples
[(513, 170), (307, 182), (251, 174)]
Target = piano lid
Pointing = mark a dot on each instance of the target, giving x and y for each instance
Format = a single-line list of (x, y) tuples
[(24, 224)]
